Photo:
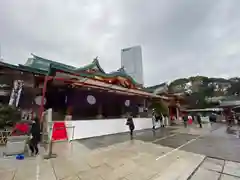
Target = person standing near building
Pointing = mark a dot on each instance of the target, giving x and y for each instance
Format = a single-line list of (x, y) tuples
[(35, 136), (161, 118), (212, 118), (153, 120), (166, 121), (229, 118), (190, 119), (131, 125), (199, 120), (185, 120), (238, 125)]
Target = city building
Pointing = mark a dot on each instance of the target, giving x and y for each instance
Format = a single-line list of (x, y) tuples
[(131, 60)]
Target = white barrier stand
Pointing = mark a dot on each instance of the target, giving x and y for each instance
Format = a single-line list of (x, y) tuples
[(49, 128)]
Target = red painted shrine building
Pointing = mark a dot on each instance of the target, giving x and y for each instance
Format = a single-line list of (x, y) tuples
[(77, 93)]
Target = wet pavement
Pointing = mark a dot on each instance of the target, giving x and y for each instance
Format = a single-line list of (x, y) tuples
[(173, 153), (104, 141), (218, 144), (130, 160), (221, 149), (143, 135), (176, 140), (212, 141), (217, 169)]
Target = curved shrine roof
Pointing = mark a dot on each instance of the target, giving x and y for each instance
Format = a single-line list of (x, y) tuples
[(41, 66), (91, 70)]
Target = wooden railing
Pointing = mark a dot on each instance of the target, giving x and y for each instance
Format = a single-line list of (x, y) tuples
[(4, 135)]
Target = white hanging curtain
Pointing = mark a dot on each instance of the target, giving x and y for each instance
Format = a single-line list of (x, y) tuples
[(16, 93)]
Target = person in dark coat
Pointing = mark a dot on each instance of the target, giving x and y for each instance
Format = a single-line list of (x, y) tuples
[(212, 118), (199, 120), (185, 120), (131, 125), (35, 136)]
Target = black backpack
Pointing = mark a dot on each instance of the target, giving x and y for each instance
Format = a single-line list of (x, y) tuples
[(158, 118)]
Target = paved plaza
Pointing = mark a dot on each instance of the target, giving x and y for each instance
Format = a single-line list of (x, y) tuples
[(216, 169), (173, 153)]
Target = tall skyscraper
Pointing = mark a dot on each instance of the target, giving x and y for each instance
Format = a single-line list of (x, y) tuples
[(131, 60)]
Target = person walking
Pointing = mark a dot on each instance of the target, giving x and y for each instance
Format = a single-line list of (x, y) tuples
[(212, 118), (238, 125), (35, 136), (199, 120), (131, 125), (153, 120), (185, 120), (230, 117), (161, 119)]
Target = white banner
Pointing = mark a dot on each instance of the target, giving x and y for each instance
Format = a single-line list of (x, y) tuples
[(16, 93)]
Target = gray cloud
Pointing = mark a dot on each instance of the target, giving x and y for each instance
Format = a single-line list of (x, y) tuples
[(179, 37)]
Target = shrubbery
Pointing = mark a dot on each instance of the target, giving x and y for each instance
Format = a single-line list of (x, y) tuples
[(9, 115)]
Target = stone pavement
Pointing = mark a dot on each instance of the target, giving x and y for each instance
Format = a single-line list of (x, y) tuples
[(217, 169), (127, 161), (152, 155), (217, 144)]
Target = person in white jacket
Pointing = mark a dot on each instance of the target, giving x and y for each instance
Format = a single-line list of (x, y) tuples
[(162, 120), (153, 120)]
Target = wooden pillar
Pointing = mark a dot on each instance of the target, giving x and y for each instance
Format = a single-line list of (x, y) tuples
[(177, 110), (170, 112), (44, 90), (122, 112), (177, 113), (68, 116), (100, 116)]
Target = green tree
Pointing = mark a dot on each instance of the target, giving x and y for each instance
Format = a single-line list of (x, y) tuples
[(234, 89), (198, 78), (179, 82), (8, 115), (160, 107)]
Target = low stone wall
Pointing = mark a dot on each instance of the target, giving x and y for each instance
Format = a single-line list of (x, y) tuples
[(92, 128)]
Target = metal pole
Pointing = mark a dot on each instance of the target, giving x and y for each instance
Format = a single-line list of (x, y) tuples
[(49, 154)]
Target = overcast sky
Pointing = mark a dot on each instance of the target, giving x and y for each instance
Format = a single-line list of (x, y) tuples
[(179, 38)]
